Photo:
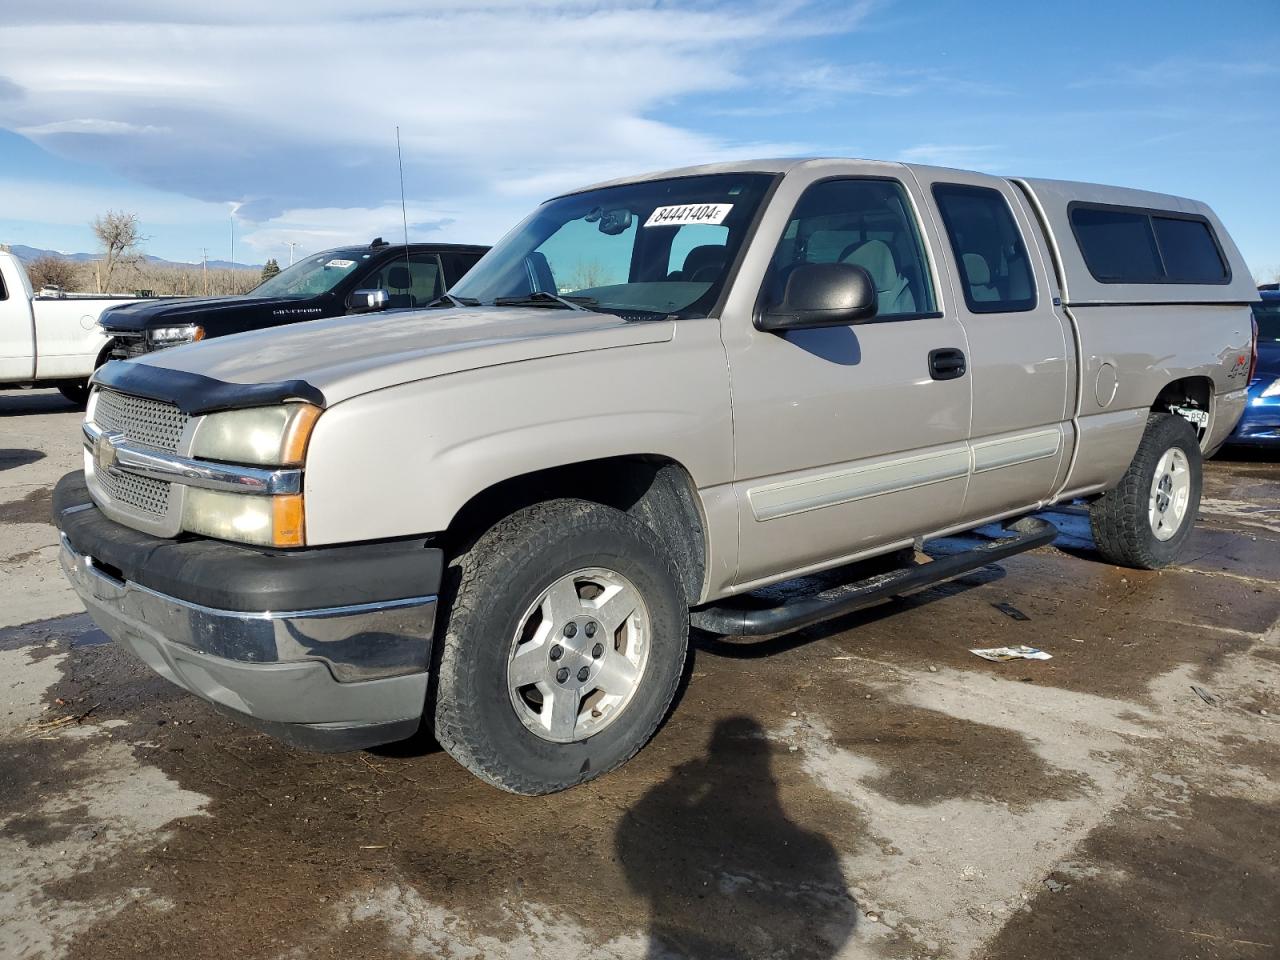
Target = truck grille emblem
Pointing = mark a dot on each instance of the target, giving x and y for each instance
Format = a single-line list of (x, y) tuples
[(104, 452)]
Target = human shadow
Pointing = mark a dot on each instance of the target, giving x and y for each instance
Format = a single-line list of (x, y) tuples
[(726, 872)]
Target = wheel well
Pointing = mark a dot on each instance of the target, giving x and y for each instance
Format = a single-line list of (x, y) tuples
[(655, 490), (1189, 397)]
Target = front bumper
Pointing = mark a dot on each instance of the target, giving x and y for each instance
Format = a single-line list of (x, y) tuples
[(335, 675)]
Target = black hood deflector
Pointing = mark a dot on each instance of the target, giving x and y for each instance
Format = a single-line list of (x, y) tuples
[(196, 394)]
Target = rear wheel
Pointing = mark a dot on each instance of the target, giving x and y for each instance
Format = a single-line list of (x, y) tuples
[(1147, 518), (77, 391), (565, 640)]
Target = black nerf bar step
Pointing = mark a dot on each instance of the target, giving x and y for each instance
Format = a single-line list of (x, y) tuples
[(1026, 533)]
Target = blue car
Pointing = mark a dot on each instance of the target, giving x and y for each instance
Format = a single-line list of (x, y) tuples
[(1260, 425)]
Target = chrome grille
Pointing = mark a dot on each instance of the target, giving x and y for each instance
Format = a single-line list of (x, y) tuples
[(127, 348), (141, 493), (151, 423)]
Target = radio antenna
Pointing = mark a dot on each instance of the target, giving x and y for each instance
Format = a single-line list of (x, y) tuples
[(404, 215)]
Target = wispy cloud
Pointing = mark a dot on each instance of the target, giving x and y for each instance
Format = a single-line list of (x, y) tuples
[(808, 87), (89, 125), (972, 156), (1180, 71), (239, 103)]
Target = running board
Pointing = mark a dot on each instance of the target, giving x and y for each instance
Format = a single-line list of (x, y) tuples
[(1027, 533)]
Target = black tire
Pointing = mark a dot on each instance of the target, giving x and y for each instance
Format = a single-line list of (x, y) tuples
[(494, 583), (76, 391), (1119, 518)]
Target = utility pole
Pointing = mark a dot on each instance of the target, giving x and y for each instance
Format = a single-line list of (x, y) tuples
[(233, 236), (292, 244), (204, 259)]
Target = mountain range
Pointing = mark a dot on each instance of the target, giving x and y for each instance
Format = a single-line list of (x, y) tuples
[(27, 254)]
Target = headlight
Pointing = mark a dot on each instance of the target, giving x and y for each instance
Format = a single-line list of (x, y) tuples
[(266, 521), (172, 336), (263, 436), (1273, 390)]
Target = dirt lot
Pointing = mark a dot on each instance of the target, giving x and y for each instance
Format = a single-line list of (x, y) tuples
[(867, 788)]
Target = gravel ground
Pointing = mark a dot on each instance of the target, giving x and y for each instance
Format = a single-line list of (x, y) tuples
[(865, 788)]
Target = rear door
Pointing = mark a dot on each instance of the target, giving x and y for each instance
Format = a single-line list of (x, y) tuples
[(845, 440), (1022, 353)]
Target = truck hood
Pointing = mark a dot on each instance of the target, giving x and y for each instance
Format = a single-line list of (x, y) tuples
[(343, 357), (148, 314)]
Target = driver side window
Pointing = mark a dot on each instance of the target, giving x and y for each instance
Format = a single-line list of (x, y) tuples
[(415, 282), (865, 222)]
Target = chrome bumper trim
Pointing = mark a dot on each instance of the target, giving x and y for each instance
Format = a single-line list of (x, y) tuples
[(123, 456), (359, 642)]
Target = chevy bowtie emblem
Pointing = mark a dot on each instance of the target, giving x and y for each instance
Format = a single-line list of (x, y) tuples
[(104, 452)]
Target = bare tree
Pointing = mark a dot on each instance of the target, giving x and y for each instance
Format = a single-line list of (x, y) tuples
[(586, 274), (49, 271), (121, 242)]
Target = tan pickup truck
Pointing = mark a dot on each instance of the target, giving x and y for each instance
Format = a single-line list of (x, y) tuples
[(500, 515)]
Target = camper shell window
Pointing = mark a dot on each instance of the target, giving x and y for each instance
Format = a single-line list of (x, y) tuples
[(1134, 245)]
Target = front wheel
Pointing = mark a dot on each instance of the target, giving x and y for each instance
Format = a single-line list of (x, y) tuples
[(566, 637), (1147, 518)]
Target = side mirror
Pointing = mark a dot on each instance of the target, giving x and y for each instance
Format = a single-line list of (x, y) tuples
[(822, 295), (367, 301)]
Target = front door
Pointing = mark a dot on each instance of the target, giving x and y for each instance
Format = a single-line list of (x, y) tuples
[(846, 441)]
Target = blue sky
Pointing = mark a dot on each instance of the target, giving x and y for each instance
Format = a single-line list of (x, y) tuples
[(280, 118)]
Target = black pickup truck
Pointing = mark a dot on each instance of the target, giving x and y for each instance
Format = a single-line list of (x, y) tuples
[(381, 276)]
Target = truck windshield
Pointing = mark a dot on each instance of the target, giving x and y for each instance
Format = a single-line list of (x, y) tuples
[(1267, 313), (313, 275), (640, 250)]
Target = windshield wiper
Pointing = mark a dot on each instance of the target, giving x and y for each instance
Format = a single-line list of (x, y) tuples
[(542, 298), (454, 301)]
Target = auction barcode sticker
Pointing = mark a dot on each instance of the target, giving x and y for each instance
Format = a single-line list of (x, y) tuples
[(341, 264), (689, 213)]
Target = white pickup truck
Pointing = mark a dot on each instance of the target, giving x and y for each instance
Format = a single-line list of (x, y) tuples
[(50, 341)]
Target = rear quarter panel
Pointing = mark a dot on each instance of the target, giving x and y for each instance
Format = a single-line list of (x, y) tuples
[(1142, 349)]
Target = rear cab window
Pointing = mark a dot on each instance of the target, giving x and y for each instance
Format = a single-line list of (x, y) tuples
[(867, 222), (697, 247), (1132, 245), (456, 265), (995, 274)]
